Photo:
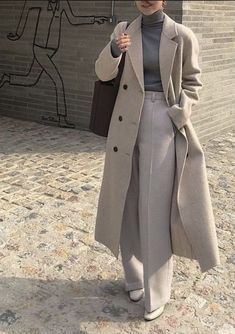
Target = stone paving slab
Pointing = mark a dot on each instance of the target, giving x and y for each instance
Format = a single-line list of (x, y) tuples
[(54, 278)]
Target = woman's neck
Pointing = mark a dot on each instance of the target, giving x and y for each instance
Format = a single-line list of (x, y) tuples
[(153, 19)]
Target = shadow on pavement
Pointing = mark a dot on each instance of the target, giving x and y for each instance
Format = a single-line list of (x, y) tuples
[(62, 306)]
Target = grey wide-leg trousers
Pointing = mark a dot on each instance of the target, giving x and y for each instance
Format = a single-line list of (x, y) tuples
[(145, 236)]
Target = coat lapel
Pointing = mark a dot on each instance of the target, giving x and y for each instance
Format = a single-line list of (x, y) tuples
[(167, 50), (135, 51)]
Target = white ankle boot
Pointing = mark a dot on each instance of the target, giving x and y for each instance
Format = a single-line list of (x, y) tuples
[(154, 314), (136, 295)]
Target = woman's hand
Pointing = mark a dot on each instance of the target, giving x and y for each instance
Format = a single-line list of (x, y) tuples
[(123, 42)]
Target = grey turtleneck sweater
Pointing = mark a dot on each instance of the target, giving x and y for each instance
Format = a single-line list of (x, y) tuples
[(151, 27)]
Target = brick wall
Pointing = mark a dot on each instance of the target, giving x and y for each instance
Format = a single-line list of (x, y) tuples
[(214, 24), (79, 46)]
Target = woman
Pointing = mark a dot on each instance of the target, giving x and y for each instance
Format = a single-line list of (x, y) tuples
[(154, 200)]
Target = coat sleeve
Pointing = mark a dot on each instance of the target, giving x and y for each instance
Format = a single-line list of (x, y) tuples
[(106, 66), (191, 81)]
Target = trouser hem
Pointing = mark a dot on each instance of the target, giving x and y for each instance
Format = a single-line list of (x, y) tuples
[(157, 305), (133, 286)]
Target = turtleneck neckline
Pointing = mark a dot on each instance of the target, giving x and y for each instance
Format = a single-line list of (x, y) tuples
[(154, 18)]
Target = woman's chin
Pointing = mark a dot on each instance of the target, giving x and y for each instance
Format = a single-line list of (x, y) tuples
[(147, 11)]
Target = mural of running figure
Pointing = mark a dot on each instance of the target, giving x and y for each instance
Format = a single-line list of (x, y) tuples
[(45, 45)]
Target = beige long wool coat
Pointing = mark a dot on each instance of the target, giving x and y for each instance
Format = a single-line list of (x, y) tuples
[(193, 231)]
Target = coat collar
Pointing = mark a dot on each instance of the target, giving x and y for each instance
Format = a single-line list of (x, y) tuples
[(167, 50)]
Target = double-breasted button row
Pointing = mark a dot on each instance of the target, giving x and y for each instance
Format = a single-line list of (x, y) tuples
[(115, 148)]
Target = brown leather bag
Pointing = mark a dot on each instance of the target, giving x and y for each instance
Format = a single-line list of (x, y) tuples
[(103, 101)]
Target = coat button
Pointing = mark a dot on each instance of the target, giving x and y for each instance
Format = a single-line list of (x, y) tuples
[(115, 149), (125, 86), (120, 118), (187, 155)]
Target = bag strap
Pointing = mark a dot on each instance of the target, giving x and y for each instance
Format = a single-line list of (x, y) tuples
[(127, 24)]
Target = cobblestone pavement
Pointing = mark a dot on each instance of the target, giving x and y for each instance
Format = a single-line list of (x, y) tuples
[(54, 278)]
